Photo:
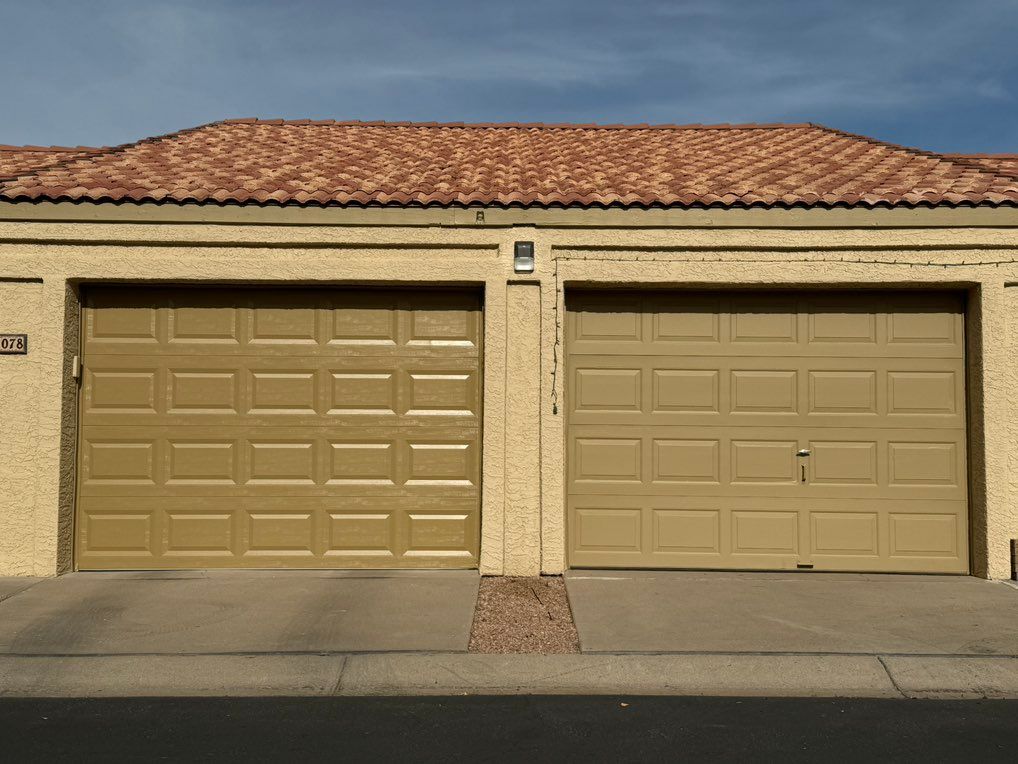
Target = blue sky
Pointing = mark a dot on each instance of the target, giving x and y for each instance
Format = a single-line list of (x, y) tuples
[(941, 75)]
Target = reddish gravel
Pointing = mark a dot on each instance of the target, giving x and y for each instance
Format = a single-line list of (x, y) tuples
[(523, 615)]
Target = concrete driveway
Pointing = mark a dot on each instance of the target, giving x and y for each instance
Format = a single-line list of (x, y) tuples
[(223, 612), (674, 612)]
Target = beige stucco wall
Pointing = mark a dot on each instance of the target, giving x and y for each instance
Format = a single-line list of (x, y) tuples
[(523, 517), (523, 457), (20, 305), (1009, 516)]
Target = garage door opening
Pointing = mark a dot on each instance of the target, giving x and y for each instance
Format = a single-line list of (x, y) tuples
[(279, 428), (767, 430)]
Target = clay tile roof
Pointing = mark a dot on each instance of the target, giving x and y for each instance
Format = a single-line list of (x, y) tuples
[(1002, 164), (323, 163), (18, 160)]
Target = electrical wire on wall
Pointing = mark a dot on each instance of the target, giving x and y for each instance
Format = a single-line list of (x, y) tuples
[(555, 346), (724, 260)]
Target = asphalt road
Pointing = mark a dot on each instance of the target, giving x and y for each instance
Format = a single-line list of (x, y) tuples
[(515, 728)]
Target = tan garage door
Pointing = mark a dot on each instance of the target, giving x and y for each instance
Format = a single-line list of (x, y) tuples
[(299, 428), (688, 412)]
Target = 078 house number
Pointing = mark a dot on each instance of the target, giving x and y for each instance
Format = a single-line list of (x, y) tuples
[(13, 344)]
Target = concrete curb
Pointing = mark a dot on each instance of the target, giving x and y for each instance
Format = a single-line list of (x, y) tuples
[(954, 676), (169, 675), (782, 675)]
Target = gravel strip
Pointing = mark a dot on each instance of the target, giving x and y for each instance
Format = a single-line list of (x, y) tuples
[(523, 615)]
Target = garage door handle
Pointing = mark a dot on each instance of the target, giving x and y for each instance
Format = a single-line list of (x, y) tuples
[(803, 452)]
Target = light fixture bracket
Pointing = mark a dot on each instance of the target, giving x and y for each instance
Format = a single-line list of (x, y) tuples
[(523, 257)]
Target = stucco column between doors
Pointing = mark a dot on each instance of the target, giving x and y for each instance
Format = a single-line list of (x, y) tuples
[(993, 520), (523, 427)]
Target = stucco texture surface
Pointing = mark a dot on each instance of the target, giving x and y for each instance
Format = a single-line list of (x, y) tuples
[(20, 303), (523, 436), (1009, 512), (523, 517)]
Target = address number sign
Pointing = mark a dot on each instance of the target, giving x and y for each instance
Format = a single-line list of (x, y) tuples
[(13, 344)]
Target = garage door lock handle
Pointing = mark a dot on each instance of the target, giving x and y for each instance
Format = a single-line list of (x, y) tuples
[(803, 452)]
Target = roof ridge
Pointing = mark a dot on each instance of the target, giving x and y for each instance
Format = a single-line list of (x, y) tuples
[(516, 125), (1003, 155)]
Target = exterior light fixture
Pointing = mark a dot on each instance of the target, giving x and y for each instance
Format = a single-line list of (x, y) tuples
[(523, 257)]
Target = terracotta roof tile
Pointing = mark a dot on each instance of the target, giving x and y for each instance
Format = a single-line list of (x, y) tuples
[(18, 160), (1002, 164), (321, 163)]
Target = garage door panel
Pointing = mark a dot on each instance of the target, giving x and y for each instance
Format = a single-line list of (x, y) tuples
[(756, 533), (250, 461), (117, 458), (365, 320), (612, 529), (280, 428), (202, 319), (696, 321), (926, 319), (204, 389), (434, 391), (362, 392), (288, 319), (212, 460), (763, 319), (433, 322), (255, 391), (131, 388), (685, 460), (190, 532), (269, 322), (821, 391), (938, 392), (118, 532), (793, 324), (760, 532), (712, 411), (174, 532), (842, 392), (124, 320), (690, 532), (841, 320), (853, 534), (771, 391), (363, 532), (844, 463), (685, 391)]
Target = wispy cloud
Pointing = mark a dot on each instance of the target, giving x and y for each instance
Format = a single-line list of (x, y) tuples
[(926, 72)]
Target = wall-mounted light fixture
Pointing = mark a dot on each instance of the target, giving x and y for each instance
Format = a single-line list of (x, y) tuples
[(523, 257)]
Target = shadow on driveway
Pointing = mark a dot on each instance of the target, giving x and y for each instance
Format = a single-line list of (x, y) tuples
[(240, 612)]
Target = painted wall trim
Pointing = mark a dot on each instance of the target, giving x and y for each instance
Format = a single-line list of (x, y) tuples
[(493, 217)]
